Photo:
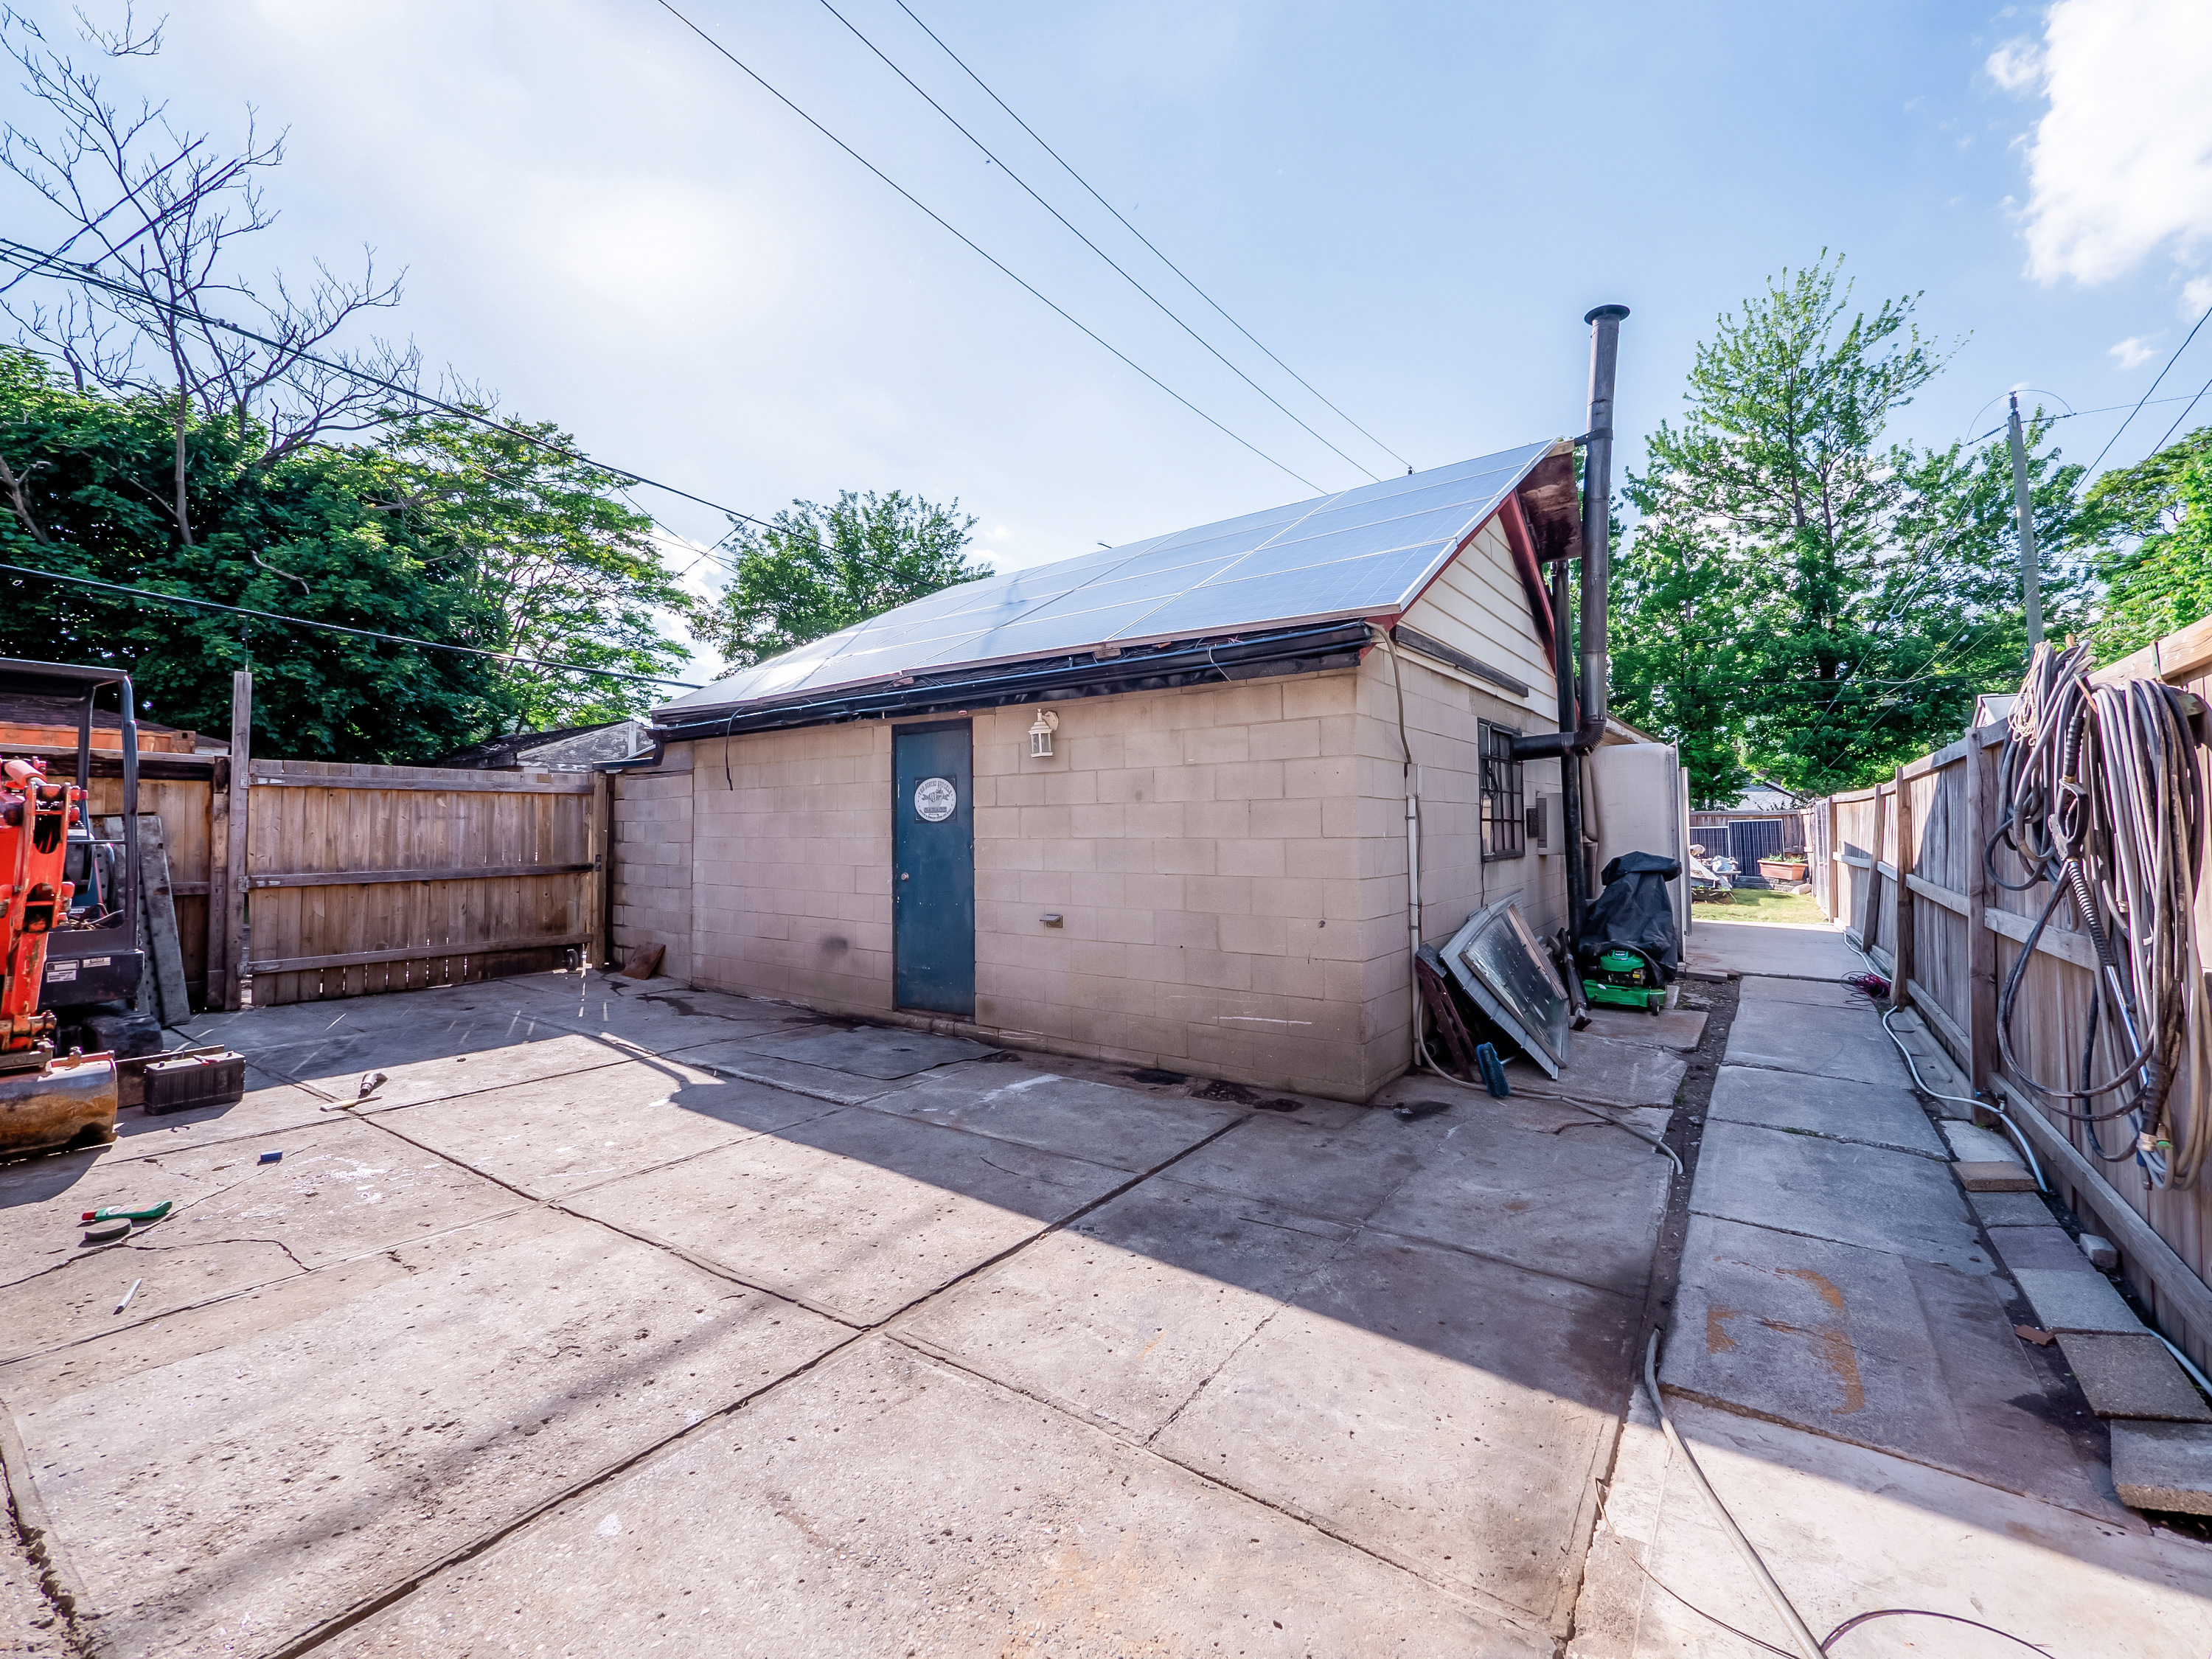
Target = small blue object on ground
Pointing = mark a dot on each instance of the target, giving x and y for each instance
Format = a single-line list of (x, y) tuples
[(1492, 1069), (270, 1158)]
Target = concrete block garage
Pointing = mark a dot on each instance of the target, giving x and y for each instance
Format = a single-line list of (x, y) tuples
[(1151, 803)]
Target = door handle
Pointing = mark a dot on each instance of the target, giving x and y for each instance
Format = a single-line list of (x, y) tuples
[(904, 877)]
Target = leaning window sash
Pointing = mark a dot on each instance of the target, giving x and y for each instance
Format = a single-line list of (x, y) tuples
[(1504, 825)]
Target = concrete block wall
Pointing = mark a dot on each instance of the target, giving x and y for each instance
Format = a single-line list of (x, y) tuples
[(1227, 864), (791, 865), (653, 896)]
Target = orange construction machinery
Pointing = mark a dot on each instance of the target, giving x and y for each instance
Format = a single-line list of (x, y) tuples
[(69, 935)]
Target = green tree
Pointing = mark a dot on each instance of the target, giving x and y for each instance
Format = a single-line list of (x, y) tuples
[(2155, 556), (816, 569), (1802, 599), (570, 572)]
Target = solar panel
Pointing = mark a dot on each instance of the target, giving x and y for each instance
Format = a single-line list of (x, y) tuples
[(1361, 552)]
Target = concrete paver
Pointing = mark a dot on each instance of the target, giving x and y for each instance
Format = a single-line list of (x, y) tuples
[(2164, 1466), (1124, 1316), (232, 1476), (2068, 1301), (1994, 1210), (856, 1213), (2039, 1247), (885, 1503), (1610, 1073), (1817, 993), (1093, 1121), (1878, 1349), (2132, 1377), (1828, 1042), (1865, 1112), (1848, 1530), (1865, 1195), (1481, 1363), (1771, 948), (562, 1135), (875, 1051), (1670, 1028)]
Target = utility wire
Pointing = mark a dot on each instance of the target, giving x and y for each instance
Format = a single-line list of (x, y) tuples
[(2179, 419), (335, 628), (1146, 240), (1162, 304), (755, 76), (2145, 398), (28, 258)]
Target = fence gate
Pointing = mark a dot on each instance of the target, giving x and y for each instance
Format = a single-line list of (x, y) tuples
[(362, 879)]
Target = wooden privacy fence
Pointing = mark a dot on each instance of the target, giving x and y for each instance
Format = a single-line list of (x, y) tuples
[(318, 881), (1901, 866), (362, 879)]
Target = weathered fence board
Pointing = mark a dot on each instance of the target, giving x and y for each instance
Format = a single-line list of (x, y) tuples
[(1915, 854)]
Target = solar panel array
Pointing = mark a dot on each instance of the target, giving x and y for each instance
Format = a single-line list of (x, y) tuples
[(1362, 552)]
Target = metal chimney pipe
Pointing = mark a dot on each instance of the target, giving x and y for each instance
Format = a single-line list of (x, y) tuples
[(1597, 550)]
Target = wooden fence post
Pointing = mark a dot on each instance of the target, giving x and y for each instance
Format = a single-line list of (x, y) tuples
[(1981, 939), (233, 902), (600, 889), (1900, 899), (215, 995)]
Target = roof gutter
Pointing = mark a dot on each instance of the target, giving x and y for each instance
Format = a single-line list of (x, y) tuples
[(1597, 552), (1249, 655)]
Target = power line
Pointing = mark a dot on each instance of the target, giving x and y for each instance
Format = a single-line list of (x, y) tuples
[(336, 628), (2145, 398), (2179, 419), (668, 6), (29, 259), (1141, 237), (1162, 304)]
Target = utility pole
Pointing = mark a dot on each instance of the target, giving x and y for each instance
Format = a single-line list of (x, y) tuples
[(2031, 597)]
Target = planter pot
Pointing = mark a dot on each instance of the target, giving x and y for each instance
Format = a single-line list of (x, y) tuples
[(1775, 870)]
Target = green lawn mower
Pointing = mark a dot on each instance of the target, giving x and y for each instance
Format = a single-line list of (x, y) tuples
[(1624, 977)]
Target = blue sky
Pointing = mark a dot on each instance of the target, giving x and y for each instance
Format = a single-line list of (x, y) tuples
[(1412, 205)]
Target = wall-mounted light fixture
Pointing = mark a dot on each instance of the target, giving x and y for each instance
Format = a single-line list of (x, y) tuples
[(1041, 732)]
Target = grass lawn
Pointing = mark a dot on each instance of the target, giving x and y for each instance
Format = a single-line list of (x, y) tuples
[(1752, 904)]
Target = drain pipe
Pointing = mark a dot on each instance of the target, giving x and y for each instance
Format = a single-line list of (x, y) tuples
[(1575, 738)]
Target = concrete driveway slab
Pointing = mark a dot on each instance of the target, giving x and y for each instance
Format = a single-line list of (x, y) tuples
[(738, 1057), (1341, 1174), (1449, 1413), (229, 1478), (667, 1020), (1865, 1195), (945, 1516), (565, 1134), (1848, 1530), (1093, 1121), (1818, 992), (857, 1213), (1758, 947), (1122, 1317), (75, 1298), (434, 1066), (1880, 1350), (875, 1051), (1868, 1113), (269, 1104), (1584, 1207), (1609, 1072), (1815, 1042), (1670, 1028), (342, 1189)]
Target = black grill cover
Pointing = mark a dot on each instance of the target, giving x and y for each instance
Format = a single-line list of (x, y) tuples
[(1634, 910)]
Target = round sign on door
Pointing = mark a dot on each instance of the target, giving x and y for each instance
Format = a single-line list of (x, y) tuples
[(935, 799)]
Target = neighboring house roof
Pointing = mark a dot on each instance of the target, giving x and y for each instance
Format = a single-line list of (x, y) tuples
[(568, 749), (1362, 552)]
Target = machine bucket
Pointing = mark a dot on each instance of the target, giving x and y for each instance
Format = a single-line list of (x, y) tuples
[(66, 1103)]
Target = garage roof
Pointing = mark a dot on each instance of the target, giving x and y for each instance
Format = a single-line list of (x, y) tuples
[(1362, 552)]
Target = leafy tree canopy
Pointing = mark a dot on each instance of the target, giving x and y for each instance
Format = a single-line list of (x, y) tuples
[(2156, 557), (1803, 599), (816, 569), (426, 532)]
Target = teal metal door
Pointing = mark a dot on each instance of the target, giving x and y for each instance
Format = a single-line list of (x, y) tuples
[(933, 868)]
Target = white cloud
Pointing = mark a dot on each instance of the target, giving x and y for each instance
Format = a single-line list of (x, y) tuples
[(2197, 296), (2135, 351), (2120, 164)]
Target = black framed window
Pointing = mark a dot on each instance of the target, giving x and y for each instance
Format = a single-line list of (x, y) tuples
[(1504, 825)]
